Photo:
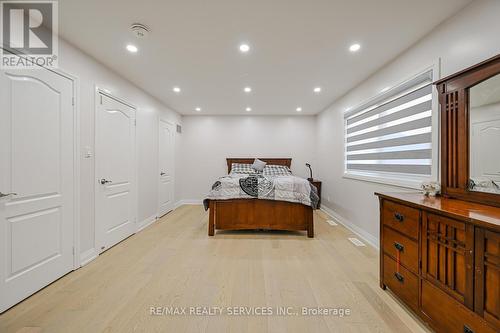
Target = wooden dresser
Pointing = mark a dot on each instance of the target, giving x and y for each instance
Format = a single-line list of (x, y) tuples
[(441, 257)]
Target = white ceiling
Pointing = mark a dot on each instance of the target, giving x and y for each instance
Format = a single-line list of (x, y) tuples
[(486, 93), (295, 46)]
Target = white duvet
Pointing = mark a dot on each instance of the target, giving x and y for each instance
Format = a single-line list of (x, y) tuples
[(280, 188)]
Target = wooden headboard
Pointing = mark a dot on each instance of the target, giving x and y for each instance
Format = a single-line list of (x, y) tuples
[(273, 161)]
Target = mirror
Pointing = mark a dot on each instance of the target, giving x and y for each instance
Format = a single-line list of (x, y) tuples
[(484, 134)]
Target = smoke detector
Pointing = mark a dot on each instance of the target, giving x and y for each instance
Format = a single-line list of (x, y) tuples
[(139, 30)]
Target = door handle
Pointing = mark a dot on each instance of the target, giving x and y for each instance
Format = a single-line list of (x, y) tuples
[(2, 195), (104, 181), (162, 173)]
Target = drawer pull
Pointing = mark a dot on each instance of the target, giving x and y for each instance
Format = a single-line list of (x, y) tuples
[(467, 329), (399, 217), (399, 247), (399, 277)]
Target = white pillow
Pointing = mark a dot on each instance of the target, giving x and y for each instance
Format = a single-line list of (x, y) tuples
[(258, 165)]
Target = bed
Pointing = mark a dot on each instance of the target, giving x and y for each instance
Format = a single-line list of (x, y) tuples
[(259, 213)]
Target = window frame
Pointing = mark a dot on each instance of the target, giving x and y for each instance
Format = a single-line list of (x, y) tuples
[(409, 181)]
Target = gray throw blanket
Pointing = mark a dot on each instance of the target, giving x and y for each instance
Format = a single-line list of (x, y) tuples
[(279, 188)]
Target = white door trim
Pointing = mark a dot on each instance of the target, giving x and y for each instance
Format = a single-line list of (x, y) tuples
[(160, 120), (108, 94), (105, 92), (76, 164)]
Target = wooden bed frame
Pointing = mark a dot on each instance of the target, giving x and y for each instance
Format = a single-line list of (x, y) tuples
[(248, 214)]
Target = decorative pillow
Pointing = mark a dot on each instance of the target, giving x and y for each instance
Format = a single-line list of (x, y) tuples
[(241, 168), (276, 170), (258, 165)]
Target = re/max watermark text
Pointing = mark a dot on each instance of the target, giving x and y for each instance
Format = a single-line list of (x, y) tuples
[(241, 311)]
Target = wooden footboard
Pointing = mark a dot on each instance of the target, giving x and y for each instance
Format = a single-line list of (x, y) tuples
[(242, 214)]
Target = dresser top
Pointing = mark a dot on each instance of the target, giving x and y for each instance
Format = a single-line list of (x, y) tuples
[(482, 215)]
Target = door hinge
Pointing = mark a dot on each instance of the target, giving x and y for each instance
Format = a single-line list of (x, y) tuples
[(135, 122), (73, 101), (101, 99), (73, 250)]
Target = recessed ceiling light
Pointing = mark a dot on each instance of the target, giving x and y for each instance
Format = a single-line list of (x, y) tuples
[(198, 109), (248, 109), (244, 48), (132, 48), (354, 47), (317, 90), (247, 89), (385, 89), (176, 90), (299, 109)]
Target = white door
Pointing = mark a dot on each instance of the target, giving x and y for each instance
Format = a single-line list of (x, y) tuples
[(166, 160), (485, 138), (37, 163), (115, 171)]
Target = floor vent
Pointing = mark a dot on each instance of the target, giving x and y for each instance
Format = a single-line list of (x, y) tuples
[(356, 241), (331, 222)]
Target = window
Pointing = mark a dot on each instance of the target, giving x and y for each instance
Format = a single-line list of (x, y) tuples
[(390, 139)]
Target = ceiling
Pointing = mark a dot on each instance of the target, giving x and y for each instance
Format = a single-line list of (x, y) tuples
[(296, 45), (486, 92)]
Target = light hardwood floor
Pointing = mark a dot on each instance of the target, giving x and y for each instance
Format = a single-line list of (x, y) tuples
[(174, 263)]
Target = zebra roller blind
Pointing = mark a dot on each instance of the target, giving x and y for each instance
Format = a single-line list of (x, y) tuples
[(394, 135)]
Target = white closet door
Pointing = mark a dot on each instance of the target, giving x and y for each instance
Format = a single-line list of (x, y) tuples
[(166, 166), (37, 164), (115, 172), (485, 138)]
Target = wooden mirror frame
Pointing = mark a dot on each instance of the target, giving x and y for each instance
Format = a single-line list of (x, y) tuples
[(454, 111)]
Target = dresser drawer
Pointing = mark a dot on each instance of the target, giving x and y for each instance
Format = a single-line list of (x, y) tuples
[(403, 283), (448, 315), (395, 243), (402, 218)]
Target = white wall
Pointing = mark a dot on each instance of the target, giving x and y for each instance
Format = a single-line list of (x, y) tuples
[(465, 39), (90, 74), (208, 140)]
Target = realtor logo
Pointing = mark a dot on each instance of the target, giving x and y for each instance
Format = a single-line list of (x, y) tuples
[(29, 34)]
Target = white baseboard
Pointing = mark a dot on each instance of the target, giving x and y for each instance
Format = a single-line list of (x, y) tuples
[(369, 238), (188, 202), (146, 223), (88, 256)]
